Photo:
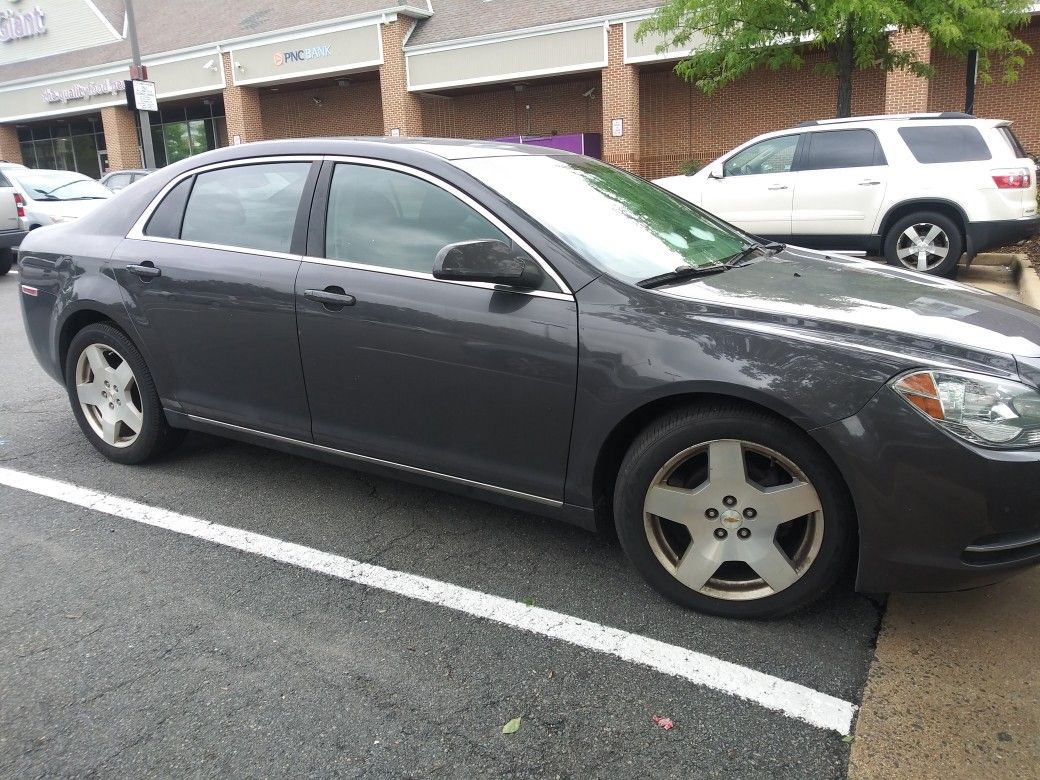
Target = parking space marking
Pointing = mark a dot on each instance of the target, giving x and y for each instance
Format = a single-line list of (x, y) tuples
[(790, 699)]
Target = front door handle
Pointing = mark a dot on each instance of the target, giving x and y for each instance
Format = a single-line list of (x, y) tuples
[(868, 183), (145, 270), (331, 297), (778, 187)]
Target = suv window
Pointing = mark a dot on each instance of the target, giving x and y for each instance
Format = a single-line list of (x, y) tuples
[(1012, 140), (774, 155), (249, 206), (842, 149), (118, 181), (4, 182), (949, 143), (391, 219)]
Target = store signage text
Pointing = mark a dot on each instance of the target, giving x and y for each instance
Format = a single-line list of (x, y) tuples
[(302, 55), (83, 91), (15, 26)]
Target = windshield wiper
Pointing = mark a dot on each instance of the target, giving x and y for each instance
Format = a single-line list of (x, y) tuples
[(86, 197), (770, 246), (681, 274)]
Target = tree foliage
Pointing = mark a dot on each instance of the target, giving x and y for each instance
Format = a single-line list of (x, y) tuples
[(731, 38)]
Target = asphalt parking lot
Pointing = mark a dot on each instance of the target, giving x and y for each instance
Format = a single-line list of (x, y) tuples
[(131, 650)]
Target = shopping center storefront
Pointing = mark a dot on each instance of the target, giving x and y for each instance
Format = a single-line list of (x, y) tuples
[(227, 73)]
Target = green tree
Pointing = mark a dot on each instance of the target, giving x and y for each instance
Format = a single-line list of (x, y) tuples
[(733, 37)]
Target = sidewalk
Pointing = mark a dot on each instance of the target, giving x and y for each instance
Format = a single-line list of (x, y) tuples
[(955, 687)]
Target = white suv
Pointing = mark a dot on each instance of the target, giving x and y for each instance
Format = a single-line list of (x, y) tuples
[(919, 189)]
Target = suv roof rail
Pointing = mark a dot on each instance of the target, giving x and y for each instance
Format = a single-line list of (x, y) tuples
[(880, 117)]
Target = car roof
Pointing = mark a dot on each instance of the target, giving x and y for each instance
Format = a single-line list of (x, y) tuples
[(954, 117)]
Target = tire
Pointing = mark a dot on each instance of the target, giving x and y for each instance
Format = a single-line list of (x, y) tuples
[(125, 397), (802, 557), (6, 261), (900, 239)]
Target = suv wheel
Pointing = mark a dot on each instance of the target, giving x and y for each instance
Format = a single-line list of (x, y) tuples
[(926, 241), (732, 512), (6, 260), (113, 397)]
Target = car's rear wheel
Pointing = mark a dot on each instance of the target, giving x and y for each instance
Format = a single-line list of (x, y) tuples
[(732, 512), (114, 398), (6, 260), (929, 242)]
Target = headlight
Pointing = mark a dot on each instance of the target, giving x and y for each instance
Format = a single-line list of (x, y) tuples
[(981, 409)]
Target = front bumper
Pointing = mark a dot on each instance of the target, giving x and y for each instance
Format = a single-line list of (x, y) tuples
[(992, 235), (934, 514)]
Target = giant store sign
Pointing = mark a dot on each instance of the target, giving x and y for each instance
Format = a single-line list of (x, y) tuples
[(15, 25)]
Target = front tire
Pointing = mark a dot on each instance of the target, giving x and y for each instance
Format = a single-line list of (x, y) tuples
[(113, 397), (730, 511), (928, 242)]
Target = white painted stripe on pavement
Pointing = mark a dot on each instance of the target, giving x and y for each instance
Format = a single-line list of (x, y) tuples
[(791, 699)]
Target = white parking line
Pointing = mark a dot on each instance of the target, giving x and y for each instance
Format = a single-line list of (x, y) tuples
[(791, 699)]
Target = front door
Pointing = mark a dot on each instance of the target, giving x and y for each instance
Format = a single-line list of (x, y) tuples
[(465, 380), (756, 189), (212, 296)]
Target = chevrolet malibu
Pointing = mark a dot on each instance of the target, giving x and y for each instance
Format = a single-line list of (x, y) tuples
[(545, 331)]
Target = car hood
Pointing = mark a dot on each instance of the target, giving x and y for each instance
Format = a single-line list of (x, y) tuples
[(837, 297)]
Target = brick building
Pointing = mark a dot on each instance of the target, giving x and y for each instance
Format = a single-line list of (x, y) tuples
[(229, 73)]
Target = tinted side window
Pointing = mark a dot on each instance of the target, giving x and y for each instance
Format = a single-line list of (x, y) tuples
[(165, 221), (953, 143), (4, 182), (1012, 140), (843, 149), (249, 206), (774, 155), (391, 219)]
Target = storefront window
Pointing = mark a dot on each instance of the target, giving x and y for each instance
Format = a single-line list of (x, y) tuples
[(187, 130), (67, 145)]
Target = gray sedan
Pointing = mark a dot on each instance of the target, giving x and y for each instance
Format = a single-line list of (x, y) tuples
[(545, 331)]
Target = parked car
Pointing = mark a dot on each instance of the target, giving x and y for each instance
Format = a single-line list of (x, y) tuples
[(53, 196), (919, 190), (117, 180), (12, 222), (542, 330)]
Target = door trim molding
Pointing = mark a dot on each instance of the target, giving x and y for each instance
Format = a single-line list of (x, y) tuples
[(552, 502)]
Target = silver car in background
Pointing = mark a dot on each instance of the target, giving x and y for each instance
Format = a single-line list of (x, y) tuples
[(52, 196)]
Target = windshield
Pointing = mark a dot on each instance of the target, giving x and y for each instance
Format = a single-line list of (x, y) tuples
[(625, 225), (59, 185)]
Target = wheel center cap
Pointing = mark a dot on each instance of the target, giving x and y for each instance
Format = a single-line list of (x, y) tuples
[(731, 519)]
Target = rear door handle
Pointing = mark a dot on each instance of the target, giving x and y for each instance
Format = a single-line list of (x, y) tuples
[(778, 187), (145, 270), (330, 297)]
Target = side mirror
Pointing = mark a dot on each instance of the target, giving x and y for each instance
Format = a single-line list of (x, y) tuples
[(488, 261), (715, 172)]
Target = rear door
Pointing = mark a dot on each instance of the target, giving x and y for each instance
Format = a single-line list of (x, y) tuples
[(757, 187), (208, 281), (9, 221), (467, 380), (839, 186)]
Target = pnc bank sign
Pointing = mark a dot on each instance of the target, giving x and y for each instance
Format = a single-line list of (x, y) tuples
[(17, 25), (301, 55)]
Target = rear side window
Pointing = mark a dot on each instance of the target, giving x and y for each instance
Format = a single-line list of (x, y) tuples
[(842, 149), (946, 144), (1012, 140), (4, 182), (165, 221), (248, 206)]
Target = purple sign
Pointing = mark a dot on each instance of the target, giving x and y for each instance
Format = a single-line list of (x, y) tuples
[(590, 144)]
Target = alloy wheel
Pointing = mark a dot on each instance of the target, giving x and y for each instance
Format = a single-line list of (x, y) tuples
[(108, 395), (923, 246), (733, 520)]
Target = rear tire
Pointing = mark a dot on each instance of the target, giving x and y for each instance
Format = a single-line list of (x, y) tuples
[(6, 260), (729, 477), (926, 241), (113, 397)]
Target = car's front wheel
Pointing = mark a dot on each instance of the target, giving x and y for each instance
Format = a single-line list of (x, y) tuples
[(927, 241), (113, 396), (732, 512)]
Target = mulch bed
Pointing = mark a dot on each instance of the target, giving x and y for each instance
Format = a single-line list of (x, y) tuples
[(1030, 248)]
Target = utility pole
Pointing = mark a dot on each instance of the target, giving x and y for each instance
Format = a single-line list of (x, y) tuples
[(135, 56)]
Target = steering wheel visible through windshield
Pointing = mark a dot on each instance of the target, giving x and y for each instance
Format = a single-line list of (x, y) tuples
[(625, 225)]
